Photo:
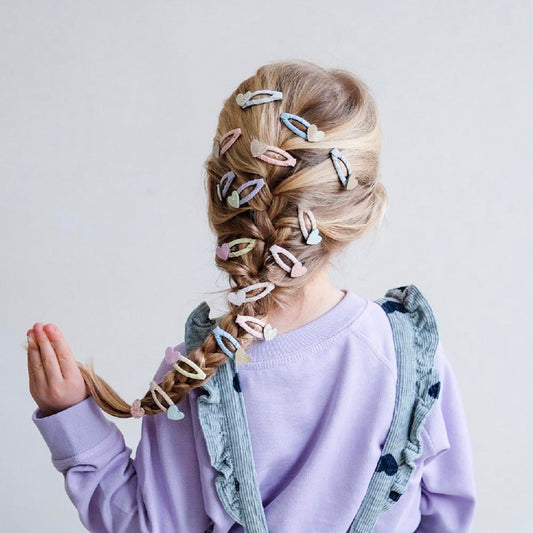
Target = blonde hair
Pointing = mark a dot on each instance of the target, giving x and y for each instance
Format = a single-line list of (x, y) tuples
[(339, 104)]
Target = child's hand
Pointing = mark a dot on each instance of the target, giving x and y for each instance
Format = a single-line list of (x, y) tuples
[(56, 382)]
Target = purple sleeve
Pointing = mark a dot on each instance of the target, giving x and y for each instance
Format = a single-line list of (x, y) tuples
[(115, 493), (448, 497)]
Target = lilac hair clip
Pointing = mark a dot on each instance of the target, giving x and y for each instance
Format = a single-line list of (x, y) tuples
[(225, 182), (297, 268), (260, 149), (247, 99), (312, 133), (235, 200)]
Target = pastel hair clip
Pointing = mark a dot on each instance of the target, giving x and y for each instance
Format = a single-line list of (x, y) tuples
[(260, 149), (239, 355), (296, 270), (313, 236), (268, 332), (224, 250), (239, 297), (345, 176), (173, 412), (173, 357), (225, 183), (235, 200), (222, 146), (311, 134), (247, 99), (136, 410)]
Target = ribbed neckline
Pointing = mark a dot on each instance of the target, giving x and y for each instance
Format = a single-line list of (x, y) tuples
[(294, 343)]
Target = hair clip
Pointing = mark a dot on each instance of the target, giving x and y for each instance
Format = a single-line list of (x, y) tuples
[(218, 147), (268, 331), (239, 297), (239, 356), (223, 251), (173, 356), (136, 410), (235, 200), (245, 100), (225, 182), (313, 236), (348, 180), (312, 134), (173, 411), (259, 150), (297, 268)]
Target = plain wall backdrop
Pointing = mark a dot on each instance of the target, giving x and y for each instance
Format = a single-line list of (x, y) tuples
[(107, 112)]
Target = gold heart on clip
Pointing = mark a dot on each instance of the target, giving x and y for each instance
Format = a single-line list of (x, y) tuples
[(241, 357), (314, 134), (243, 98), (258, 148), (233, 199)]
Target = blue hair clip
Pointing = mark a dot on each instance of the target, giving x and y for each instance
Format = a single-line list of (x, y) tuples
[(347, 179), (246, 100), (239, 356), (312, 133)]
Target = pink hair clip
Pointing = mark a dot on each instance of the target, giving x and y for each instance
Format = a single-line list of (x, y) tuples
[(259, 150), (313, 236), (268, 331), (219, 148), (173, 412), (136, 410), (173, 357), (297, 268)]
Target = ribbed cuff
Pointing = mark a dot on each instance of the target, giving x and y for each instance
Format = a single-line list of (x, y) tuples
[(74, 430)]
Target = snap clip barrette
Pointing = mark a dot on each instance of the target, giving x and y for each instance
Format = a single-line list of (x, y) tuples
[(239, 297), (297, 268), (235, 200), (239, 355), (260, 149), (268, 332), (227, 140), (347, 179), (247, 99), (312, 133), (313, 236), (224, 250), (225, 183), (173, 412), (173, 357)]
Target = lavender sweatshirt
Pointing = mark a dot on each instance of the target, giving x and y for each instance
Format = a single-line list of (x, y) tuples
[(319, 402)]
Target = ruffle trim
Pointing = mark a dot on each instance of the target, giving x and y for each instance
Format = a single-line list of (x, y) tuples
[(212, 416)]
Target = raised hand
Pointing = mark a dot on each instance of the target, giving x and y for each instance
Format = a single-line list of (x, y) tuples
[(55, 379)]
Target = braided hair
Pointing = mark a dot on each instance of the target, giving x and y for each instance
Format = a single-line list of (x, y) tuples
[(341, 106)]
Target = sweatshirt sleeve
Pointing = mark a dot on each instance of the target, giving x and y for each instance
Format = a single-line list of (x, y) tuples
[(448, 489), (114, 493)]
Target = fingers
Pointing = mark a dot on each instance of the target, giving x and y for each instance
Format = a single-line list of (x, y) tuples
[(52, 370), (35, 365), (67, 362)]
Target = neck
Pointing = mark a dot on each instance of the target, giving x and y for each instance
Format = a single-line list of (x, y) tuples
[(318, 296)]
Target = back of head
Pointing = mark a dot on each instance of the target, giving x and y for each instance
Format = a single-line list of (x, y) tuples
[(336, 103)]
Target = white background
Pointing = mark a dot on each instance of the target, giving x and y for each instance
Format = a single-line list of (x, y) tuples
[(107, 112)]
